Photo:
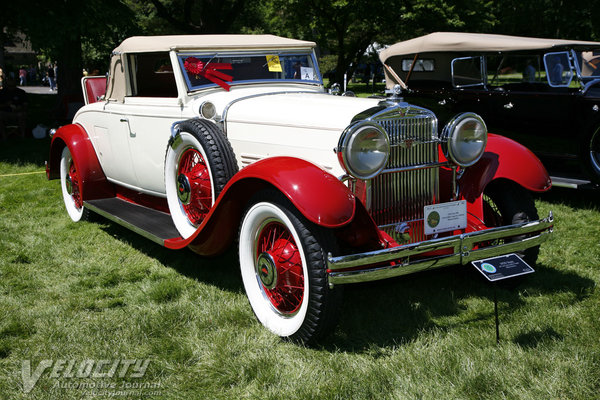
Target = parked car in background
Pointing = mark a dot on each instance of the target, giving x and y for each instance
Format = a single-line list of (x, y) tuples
[(208, 141), (544, 93)]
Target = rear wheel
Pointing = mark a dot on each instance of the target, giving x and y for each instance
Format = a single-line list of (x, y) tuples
[(283, 267), (71, 185), (506, 203)]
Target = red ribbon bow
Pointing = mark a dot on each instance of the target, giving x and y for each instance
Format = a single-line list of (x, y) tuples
[(198, 68)]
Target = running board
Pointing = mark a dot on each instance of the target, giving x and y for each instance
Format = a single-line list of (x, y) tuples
[(571, 183), (152, 224)]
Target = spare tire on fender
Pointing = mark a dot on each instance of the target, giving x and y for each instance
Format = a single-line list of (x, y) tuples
[(198, 164)]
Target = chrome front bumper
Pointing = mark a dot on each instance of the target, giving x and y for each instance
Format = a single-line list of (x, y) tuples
[(346, 269)]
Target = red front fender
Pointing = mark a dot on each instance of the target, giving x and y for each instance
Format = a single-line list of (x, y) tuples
[(317, 194), (504, 159), (93, 181)]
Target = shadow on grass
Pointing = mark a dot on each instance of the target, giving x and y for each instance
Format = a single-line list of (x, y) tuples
[(220, 271), (538, 336), (19, 151), (587, 199), (397, 311), (389, 312)]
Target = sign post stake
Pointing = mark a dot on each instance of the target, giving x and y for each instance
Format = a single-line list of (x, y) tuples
[(498, 268), (496, 315)]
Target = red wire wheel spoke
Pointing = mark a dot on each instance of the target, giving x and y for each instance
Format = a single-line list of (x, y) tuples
[(193, 167), (287, 293), (74, 178)]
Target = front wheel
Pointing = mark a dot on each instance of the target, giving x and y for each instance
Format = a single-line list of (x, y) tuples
[(506, 203), (71, 185), (283, 268)]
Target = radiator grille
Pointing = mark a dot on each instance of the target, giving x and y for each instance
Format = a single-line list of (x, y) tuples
[(398, 198)]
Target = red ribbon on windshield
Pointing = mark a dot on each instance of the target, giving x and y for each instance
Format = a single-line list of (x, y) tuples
[(198, 68)]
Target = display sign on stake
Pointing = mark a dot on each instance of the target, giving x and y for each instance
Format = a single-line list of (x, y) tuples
[(502, 267), (498, 268)]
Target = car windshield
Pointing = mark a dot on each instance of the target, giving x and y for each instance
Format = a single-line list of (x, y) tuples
[(205, 70)]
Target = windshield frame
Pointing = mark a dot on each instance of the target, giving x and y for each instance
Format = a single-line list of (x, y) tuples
[(211, 55)]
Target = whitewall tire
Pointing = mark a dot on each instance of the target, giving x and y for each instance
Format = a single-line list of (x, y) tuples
[(283, 269), (71, 186), (198, 164)]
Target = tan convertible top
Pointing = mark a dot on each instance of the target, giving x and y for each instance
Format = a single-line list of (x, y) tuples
[(117, 82), (476, 42), (142, 44)]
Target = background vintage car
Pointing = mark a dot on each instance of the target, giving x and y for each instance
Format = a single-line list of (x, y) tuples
[(544, 93), (205, 141)]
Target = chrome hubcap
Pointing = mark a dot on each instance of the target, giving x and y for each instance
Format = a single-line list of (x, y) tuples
[(183, 189), (267, 270), (69, 184)]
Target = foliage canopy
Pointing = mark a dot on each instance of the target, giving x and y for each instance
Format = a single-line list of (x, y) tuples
[(74, 32)]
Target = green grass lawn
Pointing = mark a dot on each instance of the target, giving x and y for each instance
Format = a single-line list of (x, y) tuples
[(93, 290)]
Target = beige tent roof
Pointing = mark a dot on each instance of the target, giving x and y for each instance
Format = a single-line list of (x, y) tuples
[(476, 42), (138, 44)]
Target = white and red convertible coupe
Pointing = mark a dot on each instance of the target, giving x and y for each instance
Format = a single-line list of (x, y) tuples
[(206, 141)]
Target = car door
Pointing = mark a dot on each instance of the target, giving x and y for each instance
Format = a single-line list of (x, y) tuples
[(149, 132), (111, 137), (531, 111), (143, 120)]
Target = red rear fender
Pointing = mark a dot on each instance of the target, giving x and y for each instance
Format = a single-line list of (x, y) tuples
[(94, 183)]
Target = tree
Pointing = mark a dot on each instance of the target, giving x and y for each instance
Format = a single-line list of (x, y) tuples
[(344, 28), (427, 16), (60, 28), (194, 16), (576, 19)]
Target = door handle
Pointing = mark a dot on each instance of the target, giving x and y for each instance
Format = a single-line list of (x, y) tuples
[(508, 106), (131, 134)]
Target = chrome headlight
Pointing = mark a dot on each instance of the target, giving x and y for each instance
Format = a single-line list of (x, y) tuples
[(464, 139), (363, 149)]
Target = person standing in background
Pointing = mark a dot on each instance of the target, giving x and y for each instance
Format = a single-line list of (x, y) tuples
[(22, 76), (51, 77)]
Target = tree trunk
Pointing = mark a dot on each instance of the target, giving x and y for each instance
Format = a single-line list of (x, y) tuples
[(69, 72)]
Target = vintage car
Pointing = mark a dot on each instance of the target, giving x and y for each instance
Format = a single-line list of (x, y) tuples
[(206, 141), (544, 93)]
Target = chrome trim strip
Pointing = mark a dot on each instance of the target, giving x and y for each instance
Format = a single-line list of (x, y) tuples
[(463, 246), (126, 224), (416, 167), (408, 143)]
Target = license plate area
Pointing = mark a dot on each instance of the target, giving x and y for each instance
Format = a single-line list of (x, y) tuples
[(445, 217)]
